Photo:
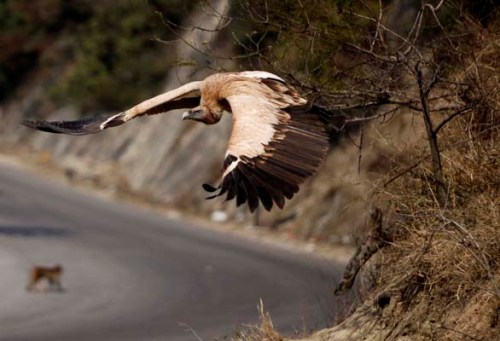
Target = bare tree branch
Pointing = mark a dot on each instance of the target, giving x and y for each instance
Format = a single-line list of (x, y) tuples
[(441, 193)]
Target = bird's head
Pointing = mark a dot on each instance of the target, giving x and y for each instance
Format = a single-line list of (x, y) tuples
[(205, 113), (196, 114)]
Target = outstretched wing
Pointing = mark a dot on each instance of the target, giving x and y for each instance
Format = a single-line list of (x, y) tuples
[(276, 143), (186, 96)]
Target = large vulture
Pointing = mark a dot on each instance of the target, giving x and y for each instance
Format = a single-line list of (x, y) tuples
[(278, 140)]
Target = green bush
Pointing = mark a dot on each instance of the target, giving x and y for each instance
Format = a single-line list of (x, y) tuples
[(116, 60), (109, 54)]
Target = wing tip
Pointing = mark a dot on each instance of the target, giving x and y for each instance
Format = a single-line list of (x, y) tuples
[(30, 123), (39, 125), (78, 127)]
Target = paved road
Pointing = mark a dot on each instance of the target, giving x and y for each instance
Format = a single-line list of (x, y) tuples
[(135, 275)]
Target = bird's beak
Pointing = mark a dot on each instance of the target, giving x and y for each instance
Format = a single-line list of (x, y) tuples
[(193, 114)]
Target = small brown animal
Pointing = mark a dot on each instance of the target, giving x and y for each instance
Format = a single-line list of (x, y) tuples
[(51, 273)]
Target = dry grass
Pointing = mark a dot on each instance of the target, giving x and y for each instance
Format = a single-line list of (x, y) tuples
[(263, 332), (444, 257)]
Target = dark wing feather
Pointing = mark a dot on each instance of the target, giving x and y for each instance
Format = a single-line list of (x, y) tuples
[(78, 127), (186, 96), (296, 151)]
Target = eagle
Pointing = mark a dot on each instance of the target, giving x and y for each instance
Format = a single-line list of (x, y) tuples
[(278, 138)]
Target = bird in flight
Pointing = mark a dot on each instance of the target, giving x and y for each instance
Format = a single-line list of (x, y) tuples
[(278, 139)]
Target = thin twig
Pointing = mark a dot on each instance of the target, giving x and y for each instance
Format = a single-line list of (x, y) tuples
[(404, 171), (461, 333), (190, 329), (405, 40), (482, 260), (437, 167), (433, 11), (360, 149), (449, 118)]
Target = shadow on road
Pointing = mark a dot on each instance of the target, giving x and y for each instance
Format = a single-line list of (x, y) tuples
[(33, 231)]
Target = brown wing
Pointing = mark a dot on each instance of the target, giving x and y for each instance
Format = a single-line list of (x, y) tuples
[(186, 96), (271, 152)]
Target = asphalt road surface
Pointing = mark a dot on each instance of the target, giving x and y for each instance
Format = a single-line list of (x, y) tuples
[(131, 274)]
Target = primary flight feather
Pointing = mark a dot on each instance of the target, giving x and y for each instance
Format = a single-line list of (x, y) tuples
[(277, 141)]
